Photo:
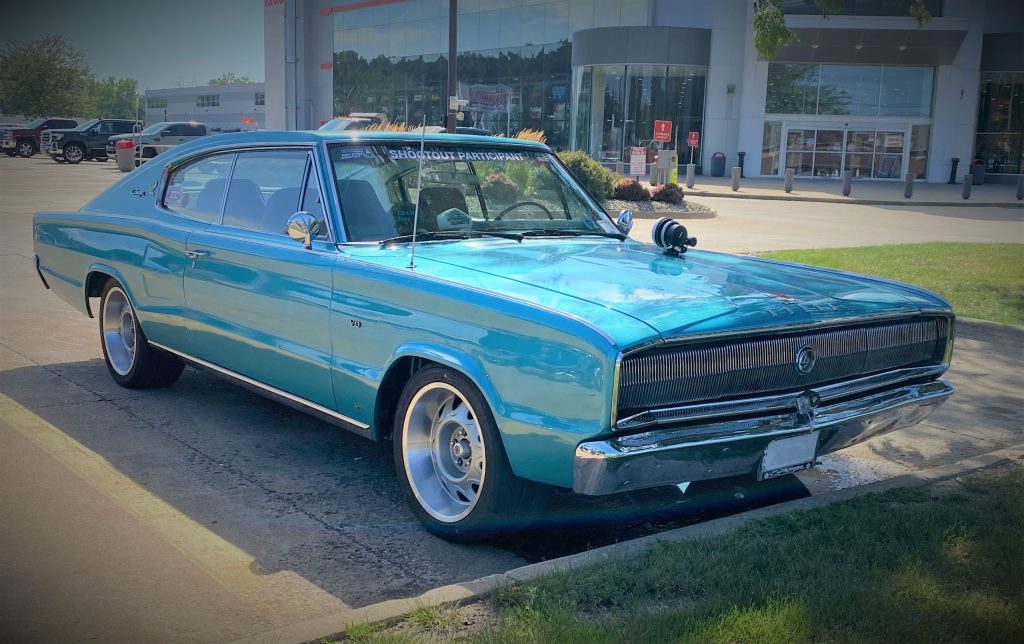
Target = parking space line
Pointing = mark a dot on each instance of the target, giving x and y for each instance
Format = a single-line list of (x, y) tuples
[(231, 567)]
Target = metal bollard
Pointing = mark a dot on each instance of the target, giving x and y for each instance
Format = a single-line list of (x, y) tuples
[(787, 184), (691, 170), (847, 182), (908, 185), (736, 170), (1020, 187), (967, 186), (952, 171), (742, 156)]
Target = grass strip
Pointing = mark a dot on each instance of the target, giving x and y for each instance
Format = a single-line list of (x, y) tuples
[(983, 281), (909, 565)]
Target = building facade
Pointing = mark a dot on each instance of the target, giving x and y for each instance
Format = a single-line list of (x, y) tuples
[(866, 91), (224, 108)]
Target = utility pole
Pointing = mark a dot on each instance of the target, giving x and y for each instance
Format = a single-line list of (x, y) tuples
[(453, 50)]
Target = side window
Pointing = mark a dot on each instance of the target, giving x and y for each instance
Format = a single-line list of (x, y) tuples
[(175, 130), (195, 130), (106, 127), (312, 202), (265, 190), (123, 127), (197, 189)]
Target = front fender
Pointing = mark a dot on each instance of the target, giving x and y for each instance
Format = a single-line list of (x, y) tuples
[(453, 359)]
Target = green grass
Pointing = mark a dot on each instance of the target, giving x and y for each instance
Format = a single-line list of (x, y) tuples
[(909, 565), (980, 280)]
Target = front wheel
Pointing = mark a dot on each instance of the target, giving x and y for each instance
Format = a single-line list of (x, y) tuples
[(74, 153), (451, 463), (26, 148), (131, 361)]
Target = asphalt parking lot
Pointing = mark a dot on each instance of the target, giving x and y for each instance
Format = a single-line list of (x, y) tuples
[(300, 496)]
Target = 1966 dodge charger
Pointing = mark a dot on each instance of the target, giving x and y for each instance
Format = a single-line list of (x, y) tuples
[(520, 341)]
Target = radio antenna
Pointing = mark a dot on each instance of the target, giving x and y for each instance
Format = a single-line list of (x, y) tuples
[(419, 189)]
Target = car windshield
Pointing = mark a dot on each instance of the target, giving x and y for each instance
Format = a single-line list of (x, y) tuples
[(463, 190), (88, 124), (36, 123), (156, 128)]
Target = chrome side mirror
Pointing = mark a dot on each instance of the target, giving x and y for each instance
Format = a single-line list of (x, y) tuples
[(303, 227), (625, 221)]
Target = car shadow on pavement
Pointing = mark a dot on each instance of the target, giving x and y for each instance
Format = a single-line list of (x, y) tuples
[(299, 494)]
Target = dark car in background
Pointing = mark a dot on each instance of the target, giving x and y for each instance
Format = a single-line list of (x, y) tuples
[(159, 136), (24, 141), (87, 141)]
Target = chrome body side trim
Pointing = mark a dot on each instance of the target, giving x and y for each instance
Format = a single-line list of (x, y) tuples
[(736, 447), (761, 404), (280, 394)]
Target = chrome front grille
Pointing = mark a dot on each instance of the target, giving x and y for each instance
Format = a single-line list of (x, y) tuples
[(689, 373)]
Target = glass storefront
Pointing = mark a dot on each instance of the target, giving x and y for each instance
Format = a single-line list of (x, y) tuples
[(806, 129), (1000, 138), (615, 107), (895, 8), (514, 61)]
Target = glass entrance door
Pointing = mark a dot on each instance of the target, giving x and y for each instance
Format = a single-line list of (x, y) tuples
[(869, 153)]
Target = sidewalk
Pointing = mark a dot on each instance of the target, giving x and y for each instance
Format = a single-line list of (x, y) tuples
[(888, 193)]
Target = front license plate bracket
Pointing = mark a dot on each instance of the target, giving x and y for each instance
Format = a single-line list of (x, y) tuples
[(787, 455)]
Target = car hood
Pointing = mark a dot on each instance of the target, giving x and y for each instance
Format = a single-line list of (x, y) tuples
[(696, 293)]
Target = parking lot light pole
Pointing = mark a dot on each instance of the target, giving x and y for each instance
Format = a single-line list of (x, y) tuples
[(453, 45)]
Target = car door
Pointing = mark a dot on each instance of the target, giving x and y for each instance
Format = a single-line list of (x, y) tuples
[(174, 135), (96, 138), (258, 302)]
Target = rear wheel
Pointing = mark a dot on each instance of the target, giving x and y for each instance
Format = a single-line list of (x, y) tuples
[(131, 361), (451, 462), (74, 153), (26, 148)]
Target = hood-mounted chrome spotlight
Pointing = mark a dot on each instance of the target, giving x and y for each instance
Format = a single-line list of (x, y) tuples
[(672, 236)]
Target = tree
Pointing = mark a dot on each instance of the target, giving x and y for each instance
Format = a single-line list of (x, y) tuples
[(113, 97), (229, 79), (42, 77), (772, 34)]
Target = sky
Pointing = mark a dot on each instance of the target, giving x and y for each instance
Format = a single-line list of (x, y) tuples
[(161, 44)]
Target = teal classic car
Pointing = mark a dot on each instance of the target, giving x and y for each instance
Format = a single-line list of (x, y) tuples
[(519, 340)]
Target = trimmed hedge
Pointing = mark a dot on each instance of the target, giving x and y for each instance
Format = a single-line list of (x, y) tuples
[(630, 190), (598, 179), (669, 193)]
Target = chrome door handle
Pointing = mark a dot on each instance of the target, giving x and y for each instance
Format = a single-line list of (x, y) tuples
[(196, 254)]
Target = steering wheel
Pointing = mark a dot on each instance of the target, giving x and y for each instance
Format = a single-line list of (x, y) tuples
[(524, 203)]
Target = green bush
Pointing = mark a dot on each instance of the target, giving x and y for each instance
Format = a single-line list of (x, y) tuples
[(669, 193), (597, 178), (630, 190)]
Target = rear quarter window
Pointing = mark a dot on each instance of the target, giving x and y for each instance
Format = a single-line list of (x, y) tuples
[(197, 189)]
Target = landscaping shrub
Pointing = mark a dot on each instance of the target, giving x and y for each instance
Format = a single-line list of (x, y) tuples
[(630, 190), (597, 178), (669, 193), (500, 188)]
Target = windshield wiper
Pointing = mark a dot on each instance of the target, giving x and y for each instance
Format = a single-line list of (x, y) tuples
[(452, 234), (564, 232)]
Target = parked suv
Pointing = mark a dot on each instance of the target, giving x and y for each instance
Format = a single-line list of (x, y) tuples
[(24, 140), (87, 141), (158, 136)]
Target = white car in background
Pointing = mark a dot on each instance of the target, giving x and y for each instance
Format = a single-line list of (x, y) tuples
[(157, 137)]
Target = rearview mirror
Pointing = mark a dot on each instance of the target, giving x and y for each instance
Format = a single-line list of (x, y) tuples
[(303, 227)]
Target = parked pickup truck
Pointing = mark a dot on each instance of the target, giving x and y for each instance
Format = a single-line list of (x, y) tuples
[(24, 141), (87, 141), (160, 136)]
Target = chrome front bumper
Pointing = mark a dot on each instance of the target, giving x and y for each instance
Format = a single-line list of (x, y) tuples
[(8, 143), (734, 447)]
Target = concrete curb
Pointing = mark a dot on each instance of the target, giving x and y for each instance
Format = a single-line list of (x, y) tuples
[(336, 623), (864, 202)]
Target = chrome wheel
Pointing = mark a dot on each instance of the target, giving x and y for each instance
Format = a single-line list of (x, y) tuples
[(26, 149), (73, 154), (118, 331), (443, 452)]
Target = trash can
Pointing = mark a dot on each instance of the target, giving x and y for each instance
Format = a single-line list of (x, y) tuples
[(125, 155), (718, 164), (978, 172)]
